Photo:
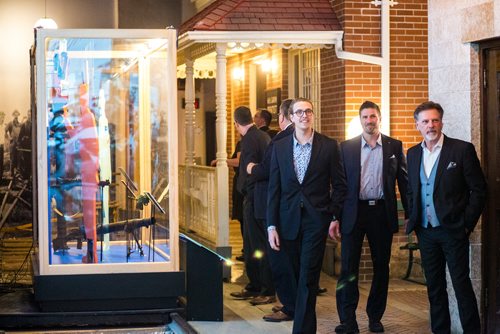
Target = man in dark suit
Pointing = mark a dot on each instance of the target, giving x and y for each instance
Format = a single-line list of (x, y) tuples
[(262, 119), (446, 196), (253, 147), (306, 191), (373, 163), (280, 266)]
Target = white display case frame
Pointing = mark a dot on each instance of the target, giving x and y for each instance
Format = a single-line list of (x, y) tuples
[(41, 182)]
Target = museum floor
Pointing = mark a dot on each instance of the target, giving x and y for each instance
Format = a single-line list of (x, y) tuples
[(407, 310)]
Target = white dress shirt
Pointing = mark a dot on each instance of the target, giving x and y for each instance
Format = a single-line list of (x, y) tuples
[(429, 157)]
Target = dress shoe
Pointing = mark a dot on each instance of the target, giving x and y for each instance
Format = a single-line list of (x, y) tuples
[(344, 328), (244, 294), (277, 308), (376, 327), (263, 300), (322, 290), (277, 317), (240, 258)]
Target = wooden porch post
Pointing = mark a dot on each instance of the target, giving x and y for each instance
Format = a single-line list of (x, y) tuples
[(190, 117), (222, 172)]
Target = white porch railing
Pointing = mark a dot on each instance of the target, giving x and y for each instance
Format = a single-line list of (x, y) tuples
[(198, 202)]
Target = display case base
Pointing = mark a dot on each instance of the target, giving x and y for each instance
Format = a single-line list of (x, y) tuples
[(19, 310)]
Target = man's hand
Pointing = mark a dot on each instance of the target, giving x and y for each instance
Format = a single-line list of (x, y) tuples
[(249, 167), (213, 163), (334, 230), (274, 239)]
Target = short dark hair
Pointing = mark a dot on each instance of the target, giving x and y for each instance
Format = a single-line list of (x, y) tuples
[(369, 105), (285, 108), (243, 115), (297, 100), (266, 116), (428, 105)]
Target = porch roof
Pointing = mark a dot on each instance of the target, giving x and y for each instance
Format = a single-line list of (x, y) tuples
[(264, 15)]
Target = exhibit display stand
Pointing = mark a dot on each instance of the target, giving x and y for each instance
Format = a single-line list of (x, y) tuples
[(103, 242)]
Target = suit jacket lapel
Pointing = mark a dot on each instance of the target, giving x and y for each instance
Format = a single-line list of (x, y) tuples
[(289, 157), (416, 170), (443, 159), (316, 147), (356, 156), (386, 155)]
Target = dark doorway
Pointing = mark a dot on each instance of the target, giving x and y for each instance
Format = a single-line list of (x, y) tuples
[(491, 161), (210, 136), (261, 86)]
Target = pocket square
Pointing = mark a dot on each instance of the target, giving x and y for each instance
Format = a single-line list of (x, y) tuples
[(451, 165), (392, 157)]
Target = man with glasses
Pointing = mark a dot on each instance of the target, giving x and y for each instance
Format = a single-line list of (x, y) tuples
[(305, 196)]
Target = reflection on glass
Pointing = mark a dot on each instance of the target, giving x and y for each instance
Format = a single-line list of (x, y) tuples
[(107, 132)]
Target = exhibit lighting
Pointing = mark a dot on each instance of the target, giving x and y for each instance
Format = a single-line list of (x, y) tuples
[(239, 73), (45, 22)]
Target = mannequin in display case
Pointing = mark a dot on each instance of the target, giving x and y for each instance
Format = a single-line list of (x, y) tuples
[(86, 135)]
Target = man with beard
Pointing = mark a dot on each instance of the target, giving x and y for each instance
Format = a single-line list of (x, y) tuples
[(373, 162), (446, 196)]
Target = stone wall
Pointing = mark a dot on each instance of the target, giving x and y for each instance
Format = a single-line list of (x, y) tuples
[(454, 82)]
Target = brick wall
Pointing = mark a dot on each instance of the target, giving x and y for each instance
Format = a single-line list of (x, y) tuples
[(346, 84)]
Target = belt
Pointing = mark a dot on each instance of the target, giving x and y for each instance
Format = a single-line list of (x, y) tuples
[(371, 202)]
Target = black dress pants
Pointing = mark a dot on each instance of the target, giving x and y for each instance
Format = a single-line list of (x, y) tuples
[(255, 249), (372, 222), (438, 249), (305, 254)]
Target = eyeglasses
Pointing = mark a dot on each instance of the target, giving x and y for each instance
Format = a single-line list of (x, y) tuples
[(301, 112)]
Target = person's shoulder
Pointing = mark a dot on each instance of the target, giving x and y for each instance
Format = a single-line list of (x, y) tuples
[(455, 142), (391, 140), (415, 149), (319, 137), (346, 144)]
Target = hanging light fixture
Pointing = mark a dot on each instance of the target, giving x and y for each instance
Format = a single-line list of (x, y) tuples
[(45, 22)]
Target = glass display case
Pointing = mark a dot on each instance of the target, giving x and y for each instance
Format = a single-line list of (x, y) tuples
[(106, 151)]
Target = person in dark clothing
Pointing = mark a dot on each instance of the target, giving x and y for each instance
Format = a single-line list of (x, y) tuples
[(253, 146), (262, 119), (306, 192)]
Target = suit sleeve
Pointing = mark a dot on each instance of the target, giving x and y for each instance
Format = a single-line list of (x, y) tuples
[(402, 178), (476, 184), (339, 183), (274, 191), (260, 172)]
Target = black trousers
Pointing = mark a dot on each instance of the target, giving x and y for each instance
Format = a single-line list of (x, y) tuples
[(438, 249), (255, 252), (305, 255), (282, 272), (372, 222)]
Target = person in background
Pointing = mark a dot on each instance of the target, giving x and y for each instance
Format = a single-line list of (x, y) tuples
[(262, 120), (253, 146)]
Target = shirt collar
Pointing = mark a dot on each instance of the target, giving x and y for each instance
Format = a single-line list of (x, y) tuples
[(296, 142), (438, 145), (364, 143)]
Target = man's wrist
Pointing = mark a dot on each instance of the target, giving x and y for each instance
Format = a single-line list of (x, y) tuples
[(271, 228)]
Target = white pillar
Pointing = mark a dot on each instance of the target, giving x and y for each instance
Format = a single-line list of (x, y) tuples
[(189, 97), (221, 133), (386, 65)]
